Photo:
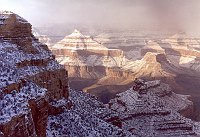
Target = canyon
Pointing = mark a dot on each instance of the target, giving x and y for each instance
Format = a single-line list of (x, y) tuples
[(102, 70), (38, 97)]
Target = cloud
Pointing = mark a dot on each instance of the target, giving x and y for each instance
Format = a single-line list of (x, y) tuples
[(170, 14)]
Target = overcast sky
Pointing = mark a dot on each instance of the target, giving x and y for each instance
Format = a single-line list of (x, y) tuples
[(179, 14)]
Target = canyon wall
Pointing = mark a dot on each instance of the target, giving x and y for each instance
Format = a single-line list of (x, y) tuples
[(30, 79), (74, 53)]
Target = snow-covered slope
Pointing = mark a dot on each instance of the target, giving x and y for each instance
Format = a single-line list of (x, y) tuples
[(30, 78), (78, 51), (93, 60), (149, 109), (76, 41), (85, 119)]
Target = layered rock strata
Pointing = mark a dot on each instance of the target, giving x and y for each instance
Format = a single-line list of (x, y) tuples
[(181, 50), (79, 52), (30, 79)]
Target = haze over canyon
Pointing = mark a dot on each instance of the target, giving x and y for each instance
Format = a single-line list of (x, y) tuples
[(83, 68)]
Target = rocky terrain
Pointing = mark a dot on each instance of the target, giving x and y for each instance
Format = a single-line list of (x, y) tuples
[(86, 59), (173, 60), (34, 88), (147, 109), (103, 71), (30, 79), (35, 99), (181, 50), (86, 118)]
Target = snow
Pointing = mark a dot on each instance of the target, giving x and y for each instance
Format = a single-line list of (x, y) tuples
[(93, 60), (152, 83), (149, 111), (6, 14), (77, 34), (197, 127), (75, 44), (181, 41), (16, 103), (78, 41), (10, 55), (186, 60), (59, 103), (153, 45), (83, 119), (133, 54), (148, 114)]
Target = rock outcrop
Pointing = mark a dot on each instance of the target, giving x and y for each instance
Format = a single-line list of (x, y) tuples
[(84, 119), (79, 53), (149, 108), (181, 50), (76, 40), (30, 79)]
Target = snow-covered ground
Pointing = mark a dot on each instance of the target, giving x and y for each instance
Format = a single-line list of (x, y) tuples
[(83, 119), (153, 113), (16, 103)]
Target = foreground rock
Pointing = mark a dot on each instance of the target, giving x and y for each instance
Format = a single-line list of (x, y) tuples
[(30, 79), (149, 109), (86, 118)]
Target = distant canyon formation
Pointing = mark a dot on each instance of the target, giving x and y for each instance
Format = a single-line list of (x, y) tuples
[(36, 101), (104, 70)]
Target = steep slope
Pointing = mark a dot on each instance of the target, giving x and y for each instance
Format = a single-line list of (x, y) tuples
[(86, 118), (84, 57), (150, 108), (30, 79), (181, 50), (184, 52), (76, 40)]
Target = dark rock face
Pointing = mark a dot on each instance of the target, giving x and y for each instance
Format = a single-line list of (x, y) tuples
[(30, 79)]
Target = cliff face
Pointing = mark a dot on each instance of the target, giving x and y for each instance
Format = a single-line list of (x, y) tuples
[(84, 57), (30, 79), (104, 71), (181, 50)]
